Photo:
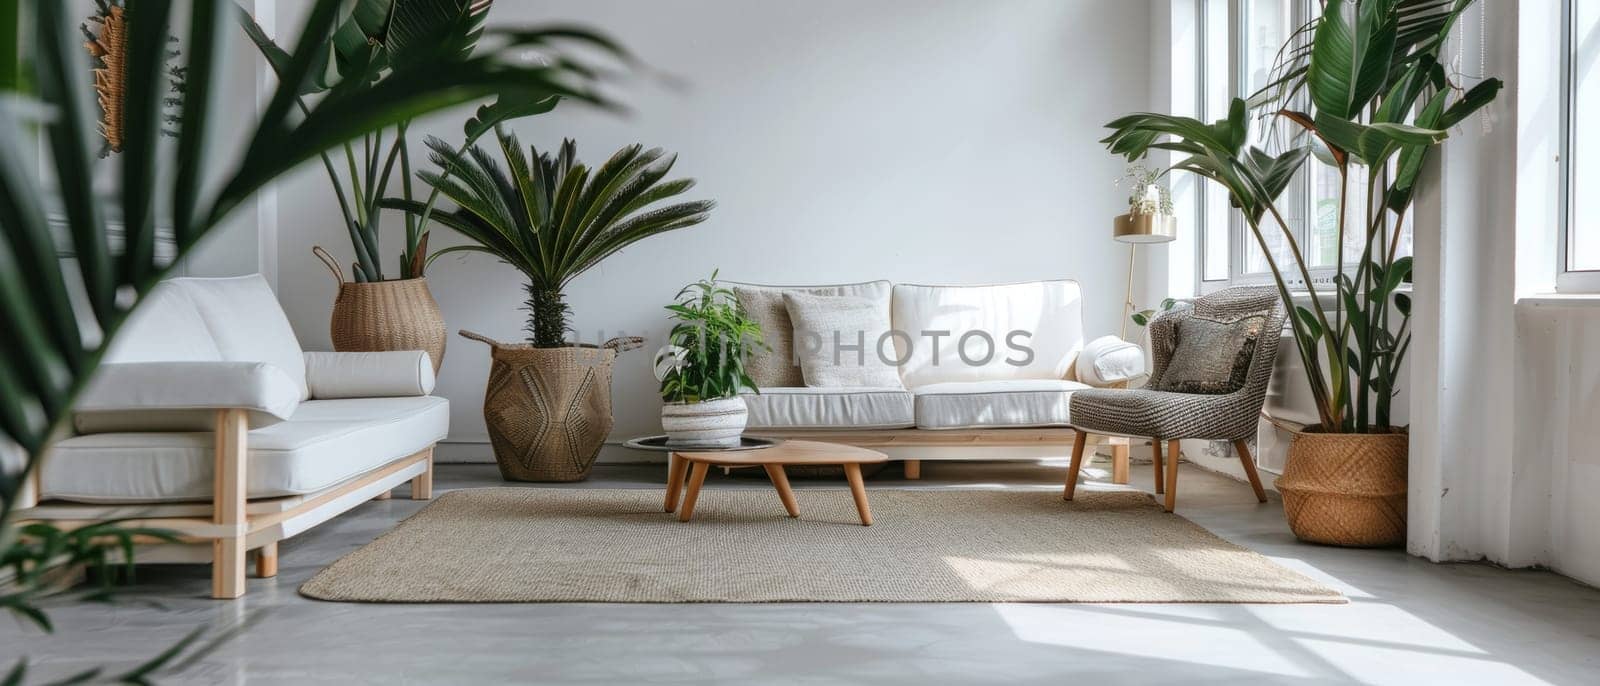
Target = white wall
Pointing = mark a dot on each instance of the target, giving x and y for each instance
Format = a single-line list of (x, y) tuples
[(915, 141)]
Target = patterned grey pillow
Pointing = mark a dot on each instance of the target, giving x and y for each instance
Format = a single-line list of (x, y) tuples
[(1211, 357), (838, 339)]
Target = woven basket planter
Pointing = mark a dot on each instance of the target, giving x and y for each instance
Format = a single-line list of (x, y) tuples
[(1346, 489), (548, 410), (387, 315)]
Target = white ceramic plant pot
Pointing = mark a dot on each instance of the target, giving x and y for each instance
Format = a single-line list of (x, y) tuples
[(710, 424)]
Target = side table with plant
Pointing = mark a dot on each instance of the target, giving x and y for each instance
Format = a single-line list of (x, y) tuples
[(701, 368)]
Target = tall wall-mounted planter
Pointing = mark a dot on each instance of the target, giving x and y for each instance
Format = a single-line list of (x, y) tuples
[(548, 410), (1346, 489), (386, 315)]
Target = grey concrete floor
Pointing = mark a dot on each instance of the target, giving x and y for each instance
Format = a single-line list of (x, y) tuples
[(1408, 622)]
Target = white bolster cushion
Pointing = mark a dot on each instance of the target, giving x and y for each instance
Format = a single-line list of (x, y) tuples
[(1107, 360), (369, 375), (183, 396)]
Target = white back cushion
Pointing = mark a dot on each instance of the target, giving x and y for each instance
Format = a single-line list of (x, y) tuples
[(247, 323), (165, 327), (976, 325)]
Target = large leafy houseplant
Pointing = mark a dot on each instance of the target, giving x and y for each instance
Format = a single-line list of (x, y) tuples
[(548, 404), (61, 315), (1365, 86), (376, 40)]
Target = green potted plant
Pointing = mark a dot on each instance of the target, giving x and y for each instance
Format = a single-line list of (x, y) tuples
[(548, 403), (701, 369), (1368, 90), (375, 41)]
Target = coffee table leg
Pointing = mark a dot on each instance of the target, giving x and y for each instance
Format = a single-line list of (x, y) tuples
[(677, 467), (858, 489), (780, 481), (696, 479)]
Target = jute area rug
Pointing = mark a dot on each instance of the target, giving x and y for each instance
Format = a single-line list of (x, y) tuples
[(616, 545)]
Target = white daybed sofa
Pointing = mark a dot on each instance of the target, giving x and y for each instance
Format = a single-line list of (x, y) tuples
[(207, 419), (946, 407)]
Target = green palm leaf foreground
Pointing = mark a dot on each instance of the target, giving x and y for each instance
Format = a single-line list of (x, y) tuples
[(61, 315), (1364, 85), (551, 216)]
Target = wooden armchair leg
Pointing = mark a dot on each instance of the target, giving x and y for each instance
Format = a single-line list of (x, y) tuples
[(1078, 443), (1173, 453), (913, 469), (1249, 463), (422, 484), (1155, 463), (267, 561)]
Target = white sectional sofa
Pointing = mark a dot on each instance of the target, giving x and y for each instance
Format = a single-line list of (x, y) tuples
[(954, 395), (208, 419)]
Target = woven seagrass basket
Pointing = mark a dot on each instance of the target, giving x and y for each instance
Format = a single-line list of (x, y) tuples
[(1346, 489), (387, 315), (548, 410)]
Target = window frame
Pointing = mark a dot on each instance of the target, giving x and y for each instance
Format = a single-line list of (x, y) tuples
[(1202, 197), (1569, 280), (1238, 234)]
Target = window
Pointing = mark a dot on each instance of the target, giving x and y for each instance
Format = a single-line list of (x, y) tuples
[(1580, 249), (1239, 46)]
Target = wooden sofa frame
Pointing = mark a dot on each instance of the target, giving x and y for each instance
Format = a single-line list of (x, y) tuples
[(231, 524), (912, 439)]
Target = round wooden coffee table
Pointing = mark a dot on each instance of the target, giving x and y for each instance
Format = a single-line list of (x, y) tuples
[(772, 460)]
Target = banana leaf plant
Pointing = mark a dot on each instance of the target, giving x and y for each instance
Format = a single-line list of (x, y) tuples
[(61, 315), (378, 40), (1364, 85), (551, 216)]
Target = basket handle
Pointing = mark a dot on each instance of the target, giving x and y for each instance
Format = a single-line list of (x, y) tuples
[(332, 264), (624, 343), (479, 338)]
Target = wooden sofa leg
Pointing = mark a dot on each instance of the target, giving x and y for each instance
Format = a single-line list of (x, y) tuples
[(1119, 461), (267, 561), (384, 495), (422, 484), (1078, 443), (913, 469), (228, 501)]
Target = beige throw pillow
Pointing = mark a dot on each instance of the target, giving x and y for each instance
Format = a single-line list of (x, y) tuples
[(842, 341), (1211, 357)]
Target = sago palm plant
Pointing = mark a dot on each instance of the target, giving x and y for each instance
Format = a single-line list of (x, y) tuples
[(551, 216), (1365, 85)]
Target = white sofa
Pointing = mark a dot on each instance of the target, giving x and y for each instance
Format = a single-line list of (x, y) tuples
[(1010, 405), (207, 418)]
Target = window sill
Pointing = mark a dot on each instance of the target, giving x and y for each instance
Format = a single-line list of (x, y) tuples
[(1565, 301)]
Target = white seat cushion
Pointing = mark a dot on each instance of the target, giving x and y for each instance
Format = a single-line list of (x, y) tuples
[(324, 443), (995, 404), (830, 408)]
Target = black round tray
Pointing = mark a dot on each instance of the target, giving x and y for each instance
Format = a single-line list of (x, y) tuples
[(659, 444)]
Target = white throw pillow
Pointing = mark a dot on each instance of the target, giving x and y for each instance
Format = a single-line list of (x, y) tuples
[(1107, 360), (842, 341)]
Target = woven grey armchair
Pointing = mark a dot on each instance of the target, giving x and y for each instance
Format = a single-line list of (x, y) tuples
[(1169, 416)]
